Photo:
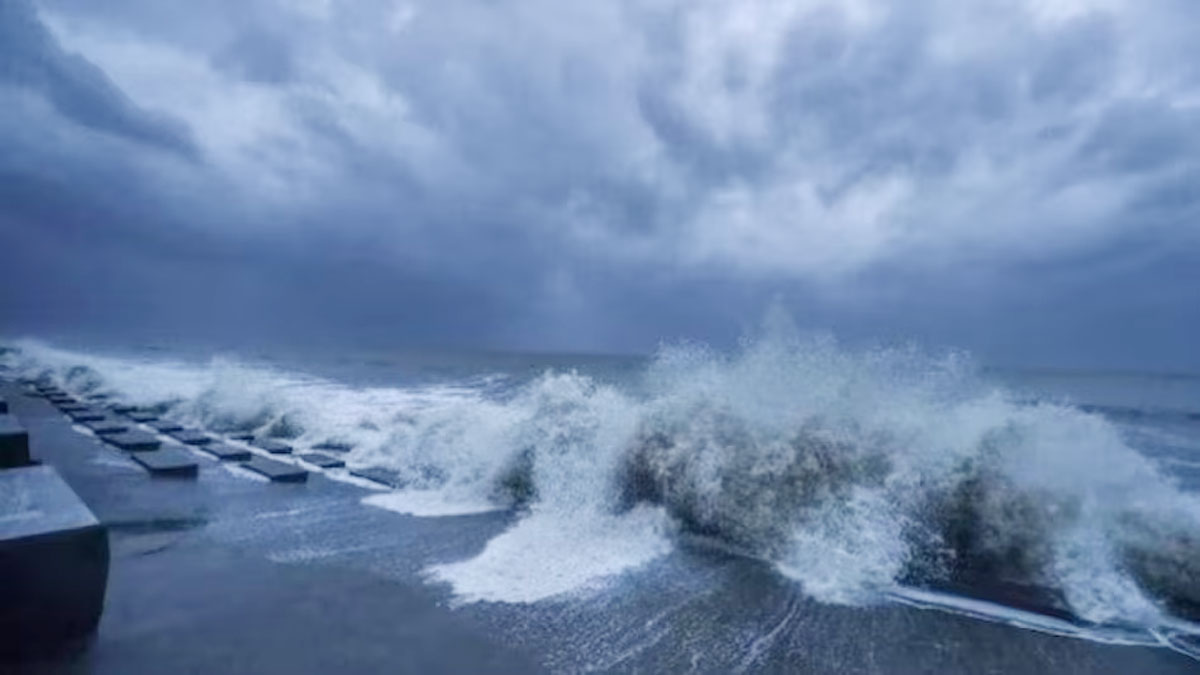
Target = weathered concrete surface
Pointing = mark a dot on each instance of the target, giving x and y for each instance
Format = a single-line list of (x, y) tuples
[(379, 475), (168, 461), (107, 425), (273, 446), (134, 441), (86, 414), (191, 437), (323, 461), (53, 563), (224, 451), (14, 443), (280, 472)]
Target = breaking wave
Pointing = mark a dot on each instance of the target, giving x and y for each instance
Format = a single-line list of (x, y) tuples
[(852, 471)]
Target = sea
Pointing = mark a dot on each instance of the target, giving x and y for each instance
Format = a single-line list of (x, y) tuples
[(782, 505)]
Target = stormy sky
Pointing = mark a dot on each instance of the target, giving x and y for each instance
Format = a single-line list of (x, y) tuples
[(1021, 179)]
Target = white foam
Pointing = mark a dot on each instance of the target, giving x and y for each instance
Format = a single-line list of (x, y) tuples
[(563, 441), (848, 550), (428, 503), (551, 554), (988, 611)]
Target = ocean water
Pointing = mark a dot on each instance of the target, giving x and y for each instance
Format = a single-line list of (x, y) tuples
[(1064, 502)]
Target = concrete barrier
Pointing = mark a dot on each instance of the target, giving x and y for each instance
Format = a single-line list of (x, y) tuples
[(243, 436), (107, 425), (14, 443), (3, 407), (87, 415), (379, 475), (322, 460), (53, 563), (134, 441), (273, 446), (165, 426), (191, 437), (227, 452), (280, 472), (168, 462)]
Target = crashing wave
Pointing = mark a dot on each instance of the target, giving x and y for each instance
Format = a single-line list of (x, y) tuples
[(852, 471)]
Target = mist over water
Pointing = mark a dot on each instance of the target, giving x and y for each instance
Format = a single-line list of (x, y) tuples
[(853, 471)]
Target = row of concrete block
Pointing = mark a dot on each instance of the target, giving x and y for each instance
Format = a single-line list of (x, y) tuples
[(54, 554), (114, 424)]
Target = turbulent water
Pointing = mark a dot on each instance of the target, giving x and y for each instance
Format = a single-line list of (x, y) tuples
[(863, 475)]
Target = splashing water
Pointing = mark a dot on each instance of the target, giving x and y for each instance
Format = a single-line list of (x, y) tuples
[(852, 471)]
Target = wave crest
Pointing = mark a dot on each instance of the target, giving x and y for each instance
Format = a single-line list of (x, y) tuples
[(850, 470)]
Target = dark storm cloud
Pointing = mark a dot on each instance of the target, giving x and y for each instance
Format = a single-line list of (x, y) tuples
[(600, 175), (77, 89), (258, 56)]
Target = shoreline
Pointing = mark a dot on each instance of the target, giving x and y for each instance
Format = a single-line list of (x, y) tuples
[(227, 574)]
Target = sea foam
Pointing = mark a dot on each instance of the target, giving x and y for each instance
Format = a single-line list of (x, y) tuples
[(853, 471)]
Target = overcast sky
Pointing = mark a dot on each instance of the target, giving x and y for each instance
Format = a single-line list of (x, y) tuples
[(1018, 178)]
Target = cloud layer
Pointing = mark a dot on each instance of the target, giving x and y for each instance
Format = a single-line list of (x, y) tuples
[(601, 174)]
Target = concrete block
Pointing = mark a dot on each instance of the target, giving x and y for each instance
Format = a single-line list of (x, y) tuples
[(142, 416), (53, 563), (379, 475), (244, 436), (227, 452), (168, 462), (165, 426), (322, 460), (74, 407), (277, 471), (273, 446), (191, 437), (107, 425), (134, 441), (334, 446), (122, 408), (14, 443), (87, 415), (60, 401), (3, 407)]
